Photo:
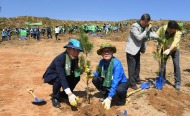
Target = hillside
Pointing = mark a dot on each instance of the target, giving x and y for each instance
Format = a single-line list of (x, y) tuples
[(20, 22)]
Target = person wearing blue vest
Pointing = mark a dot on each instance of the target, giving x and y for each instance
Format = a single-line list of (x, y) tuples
[(109, 77), (64, 72), (4, 35)]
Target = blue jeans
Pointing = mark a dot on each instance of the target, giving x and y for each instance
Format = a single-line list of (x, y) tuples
[(121, 90), (177, 73)]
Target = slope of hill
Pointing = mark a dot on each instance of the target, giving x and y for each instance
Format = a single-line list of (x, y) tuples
[(20, 22)]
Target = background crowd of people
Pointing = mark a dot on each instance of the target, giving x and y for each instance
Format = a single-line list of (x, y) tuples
[(37, 32)]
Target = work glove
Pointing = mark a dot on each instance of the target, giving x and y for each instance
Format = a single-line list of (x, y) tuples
[(166, 52), (95, 74), (147, 29), (73, 100), (87, 69), (107, 103), (89, 76)]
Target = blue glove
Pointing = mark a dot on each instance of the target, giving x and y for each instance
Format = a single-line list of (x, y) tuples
[(95, 74)]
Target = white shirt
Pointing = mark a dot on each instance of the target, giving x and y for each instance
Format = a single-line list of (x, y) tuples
[(57, 30)]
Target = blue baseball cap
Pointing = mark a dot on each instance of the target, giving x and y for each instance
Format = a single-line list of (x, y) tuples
[(73, 43)]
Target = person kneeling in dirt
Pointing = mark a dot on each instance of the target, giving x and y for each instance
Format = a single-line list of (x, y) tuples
[(110, 78), (64, 72)]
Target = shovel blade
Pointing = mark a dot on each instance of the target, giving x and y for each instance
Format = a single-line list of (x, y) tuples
[(159, 82), (38, 101), (145, 85)]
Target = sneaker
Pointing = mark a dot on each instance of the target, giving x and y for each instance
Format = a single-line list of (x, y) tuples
[(177, 87), (55, 103), (134, 87), (120, 102)]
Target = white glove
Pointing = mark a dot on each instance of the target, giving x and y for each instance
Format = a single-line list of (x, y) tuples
[(107, 103), (148, 28), (73, 100), (153, 35), (166, 52)]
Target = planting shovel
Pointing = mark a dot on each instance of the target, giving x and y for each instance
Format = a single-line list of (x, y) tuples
[(159, 82), (36, 100), (145, 85)]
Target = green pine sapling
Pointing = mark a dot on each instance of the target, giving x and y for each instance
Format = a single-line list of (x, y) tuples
[(85, 64)]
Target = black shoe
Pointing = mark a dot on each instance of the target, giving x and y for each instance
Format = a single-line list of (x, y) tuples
[(63, 95), (134, 87), (177, 87), (105, 95), (121, 102), (55, 103), (103, 98), (139, 82)]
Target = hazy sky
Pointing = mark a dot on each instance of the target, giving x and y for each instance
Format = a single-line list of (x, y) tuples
[(101, 10)]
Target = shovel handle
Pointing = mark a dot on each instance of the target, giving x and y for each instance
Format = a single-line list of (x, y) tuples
[(31, 92), (132, 92)]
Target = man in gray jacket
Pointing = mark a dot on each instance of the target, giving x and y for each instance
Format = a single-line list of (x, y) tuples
[(136, 44)]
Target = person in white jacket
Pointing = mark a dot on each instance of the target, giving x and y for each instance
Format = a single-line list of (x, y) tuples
[(57, 32), (136, 44)]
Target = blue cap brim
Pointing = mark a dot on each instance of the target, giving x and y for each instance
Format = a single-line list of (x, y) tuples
[(71, 46)]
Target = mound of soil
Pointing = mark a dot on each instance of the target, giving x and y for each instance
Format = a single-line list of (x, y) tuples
[(169, 100)]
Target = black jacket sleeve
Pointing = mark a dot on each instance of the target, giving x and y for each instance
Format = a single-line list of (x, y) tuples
[(57, 70), (60, 69)]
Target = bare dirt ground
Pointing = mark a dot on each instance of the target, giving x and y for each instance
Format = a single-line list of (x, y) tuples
[(24, 62)]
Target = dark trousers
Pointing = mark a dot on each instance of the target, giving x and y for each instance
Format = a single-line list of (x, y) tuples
[(38, 36), (34, 36), (175, 59), (43, 33), (133, 62), (121, 90), (49, 35), (56, 36), (4, 38), (72, 82)]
